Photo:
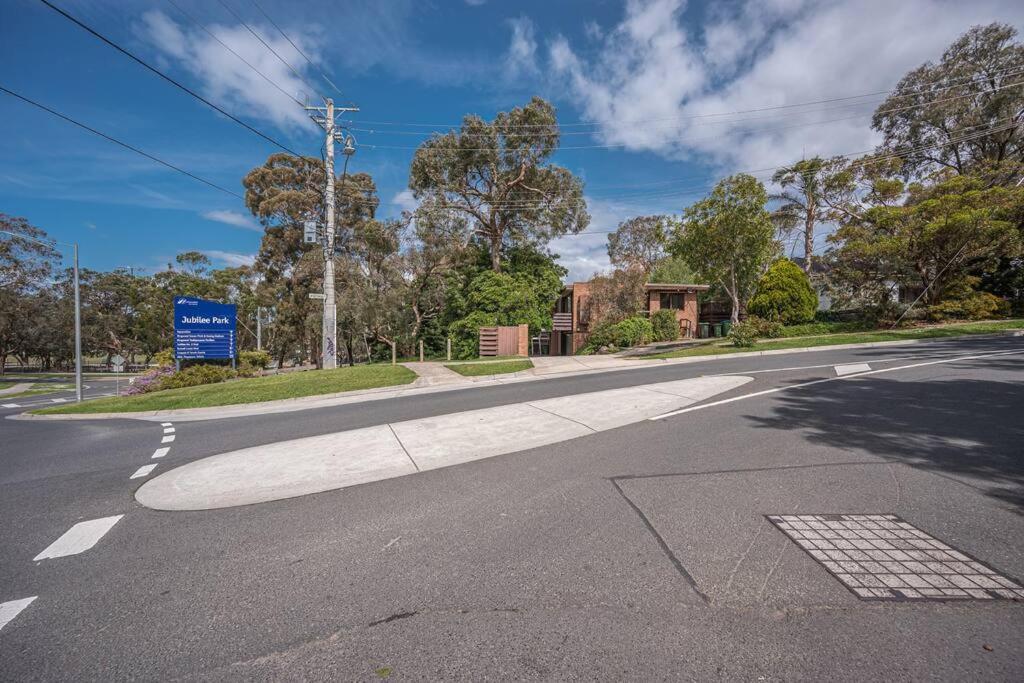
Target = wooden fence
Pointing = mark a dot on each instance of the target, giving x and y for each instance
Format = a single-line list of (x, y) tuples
[(505, 341)]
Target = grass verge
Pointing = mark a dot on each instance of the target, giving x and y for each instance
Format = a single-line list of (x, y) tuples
[(253, 390), (45, 389), (490, 368), (957, 330)]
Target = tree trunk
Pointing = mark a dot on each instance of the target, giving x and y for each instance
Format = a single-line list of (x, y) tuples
[(809, 240), (735, 296), (496, 254)]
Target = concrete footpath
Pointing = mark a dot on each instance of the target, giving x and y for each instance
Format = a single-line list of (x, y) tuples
[(332, 461), (434, 377)]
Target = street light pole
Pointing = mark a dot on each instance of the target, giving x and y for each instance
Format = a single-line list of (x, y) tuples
[(78, 334)]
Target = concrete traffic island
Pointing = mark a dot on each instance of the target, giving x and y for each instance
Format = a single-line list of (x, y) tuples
[(332, 461)]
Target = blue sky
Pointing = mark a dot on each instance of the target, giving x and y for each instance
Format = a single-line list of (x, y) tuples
[(646, 90)]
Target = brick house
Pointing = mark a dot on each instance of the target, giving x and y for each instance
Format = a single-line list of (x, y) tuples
[(571, 318)]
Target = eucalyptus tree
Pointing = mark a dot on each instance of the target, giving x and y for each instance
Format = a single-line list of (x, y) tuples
[(499, 175), (967, 108)]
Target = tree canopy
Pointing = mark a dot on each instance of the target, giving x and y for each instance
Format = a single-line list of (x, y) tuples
[(498, 175)]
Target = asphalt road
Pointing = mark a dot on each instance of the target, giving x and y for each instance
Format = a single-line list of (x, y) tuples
[(640, 552)]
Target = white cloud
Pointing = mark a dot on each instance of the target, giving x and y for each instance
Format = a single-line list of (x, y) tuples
[(226, 79), (522, 50), (231, 258), (405, 201), (233, 218), (644, 83)]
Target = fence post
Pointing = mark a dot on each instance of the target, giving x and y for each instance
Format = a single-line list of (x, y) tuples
[(448, 351), (421, 350), (393, 356)]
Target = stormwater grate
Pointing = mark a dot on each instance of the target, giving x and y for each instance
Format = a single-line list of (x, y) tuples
[(882, 557)]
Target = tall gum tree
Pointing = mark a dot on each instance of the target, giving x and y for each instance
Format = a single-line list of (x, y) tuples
[(498, 174), (728, 238)]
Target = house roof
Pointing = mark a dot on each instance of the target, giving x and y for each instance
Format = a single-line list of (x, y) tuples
[(674, 287)]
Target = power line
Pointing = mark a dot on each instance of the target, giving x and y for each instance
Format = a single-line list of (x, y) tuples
[(954, 82), (229, 49), (620, 145), (290, 42), (257, 36), (167, 78), (122, 144)]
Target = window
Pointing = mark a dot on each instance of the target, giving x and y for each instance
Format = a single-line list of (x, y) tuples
[(673, 300)]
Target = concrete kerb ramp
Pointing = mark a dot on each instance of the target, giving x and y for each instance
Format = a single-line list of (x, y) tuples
[(314, 464)]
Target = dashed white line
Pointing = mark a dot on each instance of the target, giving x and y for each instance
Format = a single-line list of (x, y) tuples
[(79, 538), (852, 368), (59, 400), (9, 610), (10, 405), (161, 452), (166, 424), (167, 439), (143, 471), (168, 430)]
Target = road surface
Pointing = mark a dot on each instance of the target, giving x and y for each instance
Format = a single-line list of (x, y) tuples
[(645, 551)]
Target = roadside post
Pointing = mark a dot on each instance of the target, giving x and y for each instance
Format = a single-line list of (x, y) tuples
[(394, 355), (421, 350), (118, 363), (448, 348), (204, 329)]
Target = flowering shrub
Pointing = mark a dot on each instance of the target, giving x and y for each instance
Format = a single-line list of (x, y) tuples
[(151, 380)]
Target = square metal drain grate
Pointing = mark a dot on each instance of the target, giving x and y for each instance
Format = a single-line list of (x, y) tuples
[(882, 557)]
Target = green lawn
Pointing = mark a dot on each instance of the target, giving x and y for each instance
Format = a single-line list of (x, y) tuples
[(498, 368), (40, 389), (6, 385), (960, 329), (253, 390)]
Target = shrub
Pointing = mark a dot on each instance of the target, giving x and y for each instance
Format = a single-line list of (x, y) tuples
[(164, 358), (769, 329), (628, 332), (974, 306), (196, 375), (150, 380), (784, 294), (665, 325), (251, 363), (633, 331), (743, 334)]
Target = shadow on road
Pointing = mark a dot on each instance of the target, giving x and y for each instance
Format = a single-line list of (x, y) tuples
[(954, 426)]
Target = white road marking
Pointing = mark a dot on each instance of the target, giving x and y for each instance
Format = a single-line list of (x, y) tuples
[(166, 424), (167, 439), (79, 538), (161, 452), (850, 369), (830, 379), (59, 400), (168, 430), (9, 610), (11, 405), (143, 471)]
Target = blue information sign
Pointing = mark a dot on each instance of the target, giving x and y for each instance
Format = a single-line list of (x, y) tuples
[(203, 329)]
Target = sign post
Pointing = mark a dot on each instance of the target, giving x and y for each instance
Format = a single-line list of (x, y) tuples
[(118, 362), (203, 329)]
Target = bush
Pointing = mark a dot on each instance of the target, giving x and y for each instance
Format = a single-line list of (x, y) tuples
[(784, 294), (164, 358), (634, 331), (975, 306), (743, 334), (196, 375), (150, 380), (665, 325), (761, 327), (628, 332), (252, 363)]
